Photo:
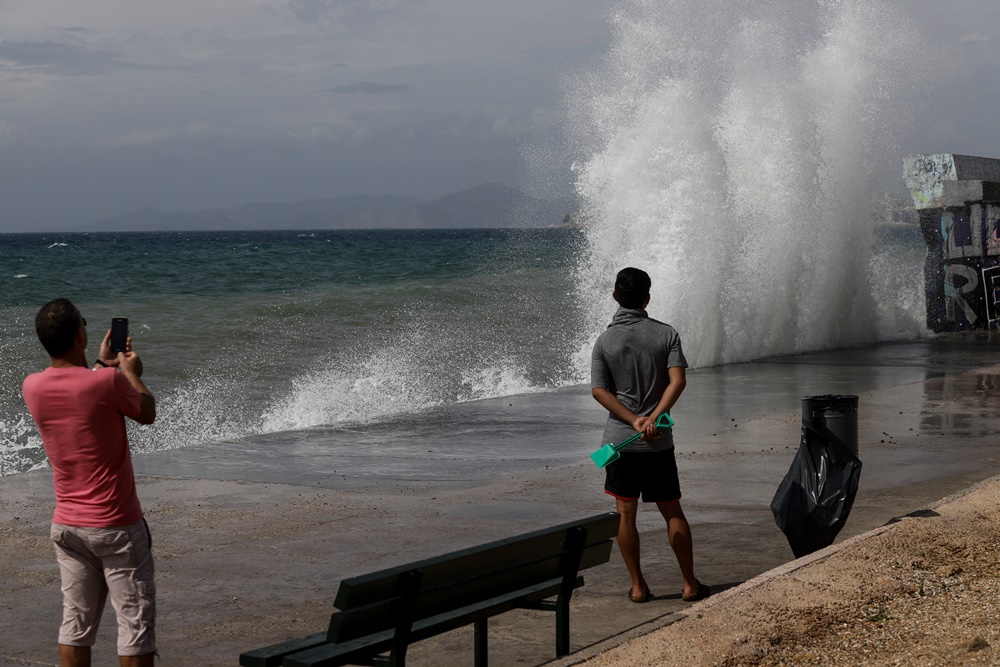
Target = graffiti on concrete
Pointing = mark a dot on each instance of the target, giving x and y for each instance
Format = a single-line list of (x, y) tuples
[(993, 230), (926, 173), (962, 269), (960, 289), (958, 200), (991, 294), (963, 234)]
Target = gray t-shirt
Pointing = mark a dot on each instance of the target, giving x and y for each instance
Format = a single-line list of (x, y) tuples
[(630, 359)]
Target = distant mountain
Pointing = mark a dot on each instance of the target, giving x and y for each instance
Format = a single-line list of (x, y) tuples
[(493, 205), (487, 205)]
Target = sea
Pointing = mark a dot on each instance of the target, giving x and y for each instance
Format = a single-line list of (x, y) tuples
[(260, 332), (736, 151), (244, 333)]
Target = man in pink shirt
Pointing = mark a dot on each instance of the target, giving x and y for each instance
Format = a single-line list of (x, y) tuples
[(101, 540)]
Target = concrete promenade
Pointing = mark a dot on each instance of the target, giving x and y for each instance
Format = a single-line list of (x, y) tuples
[(252, 537)]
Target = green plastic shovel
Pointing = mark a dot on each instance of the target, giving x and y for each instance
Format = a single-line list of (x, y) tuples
[(608, 453)]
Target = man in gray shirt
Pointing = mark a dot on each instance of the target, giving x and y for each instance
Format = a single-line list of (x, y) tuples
[(637, 374)]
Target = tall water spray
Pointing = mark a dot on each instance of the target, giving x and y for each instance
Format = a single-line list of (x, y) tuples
[(729, 147)]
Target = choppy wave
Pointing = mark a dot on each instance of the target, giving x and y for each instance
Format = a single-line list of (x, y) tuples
[(383, 386), (429, 363), (426, 365), (731, 149), (362, 329)]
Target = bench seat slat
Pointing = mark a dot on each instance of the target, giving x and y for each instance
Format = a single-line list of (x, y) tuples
[(333, 654), (352, 623), (498, 555), (449, 592), (271, 656)]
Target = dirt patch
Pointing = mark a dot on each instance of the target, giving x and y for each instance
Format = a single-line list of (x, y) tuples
[(923, 591)]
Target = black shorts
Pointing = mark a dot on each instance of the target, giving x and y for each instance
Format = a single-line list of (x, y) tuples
[(653, 475)]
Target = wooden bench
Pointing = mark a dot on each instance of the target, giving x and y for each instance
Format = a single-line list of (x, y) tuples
[(387, 611)]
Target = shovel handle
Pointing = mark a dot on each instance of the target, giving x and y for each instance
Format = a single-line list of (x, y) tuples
[(663, 421), (627, 441)]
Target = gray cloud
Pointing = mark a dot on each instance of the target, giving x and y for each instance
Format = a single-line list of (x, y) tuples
[(425, 155), (195, 105), (66, 59), (370, 88), (192, 105), (974, 37), (338, 10)]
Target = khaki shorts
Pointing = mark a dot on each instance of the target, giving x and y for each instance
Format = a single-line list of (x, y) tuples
[(98, 563)]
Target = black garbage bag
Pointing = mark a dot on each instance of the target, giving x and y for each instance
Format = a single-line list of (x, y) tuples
[(814, 499)]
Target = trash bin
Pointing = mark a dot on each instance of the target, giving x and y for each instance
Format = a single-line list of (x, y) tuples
[(814, 499), (835, 417)]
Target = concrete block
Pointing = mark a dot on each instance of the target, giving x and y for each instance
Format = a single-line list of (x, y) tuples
[(962, 193), (925, 176)]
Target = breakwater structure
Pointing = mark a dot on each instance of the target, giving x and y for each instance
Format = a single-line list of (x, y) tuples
[(958, 201)]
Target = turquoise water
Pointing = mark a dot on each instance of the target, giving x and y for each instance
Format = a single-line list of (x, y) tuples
[(244, 333)]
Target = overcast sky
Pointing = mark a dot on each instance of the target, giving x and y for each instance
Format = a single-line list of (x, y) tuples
[(108, 106)]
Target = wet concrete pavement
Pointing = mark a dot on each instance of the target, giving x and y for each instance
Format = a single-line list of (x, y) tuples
[(252, 537)]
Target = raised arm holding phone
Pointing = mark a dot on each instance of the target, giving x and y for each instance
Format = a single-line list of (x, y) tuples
[(102, 542)]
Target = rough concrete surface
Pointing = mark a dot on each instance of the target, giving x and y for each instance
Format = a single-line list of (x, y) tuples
[(242, 563)]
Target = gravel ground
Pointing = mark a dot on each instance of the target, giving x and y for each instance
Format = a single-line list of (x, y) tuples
[(922, 591)]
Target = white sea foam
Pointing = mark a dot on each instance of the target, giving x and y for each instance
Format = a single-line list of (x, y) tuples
[(730, 149), (20, 447), (205, 409), (410, 375), (492, 381), (359, 393), (20, 275)]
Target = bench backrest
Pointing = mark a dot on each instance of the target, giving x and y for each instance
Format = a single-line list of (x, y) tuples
[(375, 602)]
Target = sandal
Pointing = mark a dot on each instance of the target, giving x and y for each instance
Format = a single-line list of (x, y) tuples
[(645, 597), (703, 592)]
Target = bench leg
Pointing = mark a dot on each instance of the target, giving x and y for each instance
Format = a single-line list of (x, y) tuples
[(562, 628), (409, 588), (481, 648), (576, 540)]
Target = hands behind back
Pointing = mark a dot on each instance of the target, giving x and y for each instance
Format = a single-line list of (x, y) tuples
[(646, 426)]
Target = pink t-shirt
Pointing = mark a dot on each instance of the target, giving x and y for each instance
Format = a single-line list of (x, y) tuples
[(80, 415)]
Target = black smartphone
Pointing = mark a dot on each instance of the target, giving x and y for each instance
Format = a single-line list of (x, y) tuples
[(119, 334)]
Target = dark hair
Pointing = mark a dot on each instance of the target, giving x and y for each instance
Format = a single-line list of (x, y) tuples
[(632, 287), (56, 325)]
